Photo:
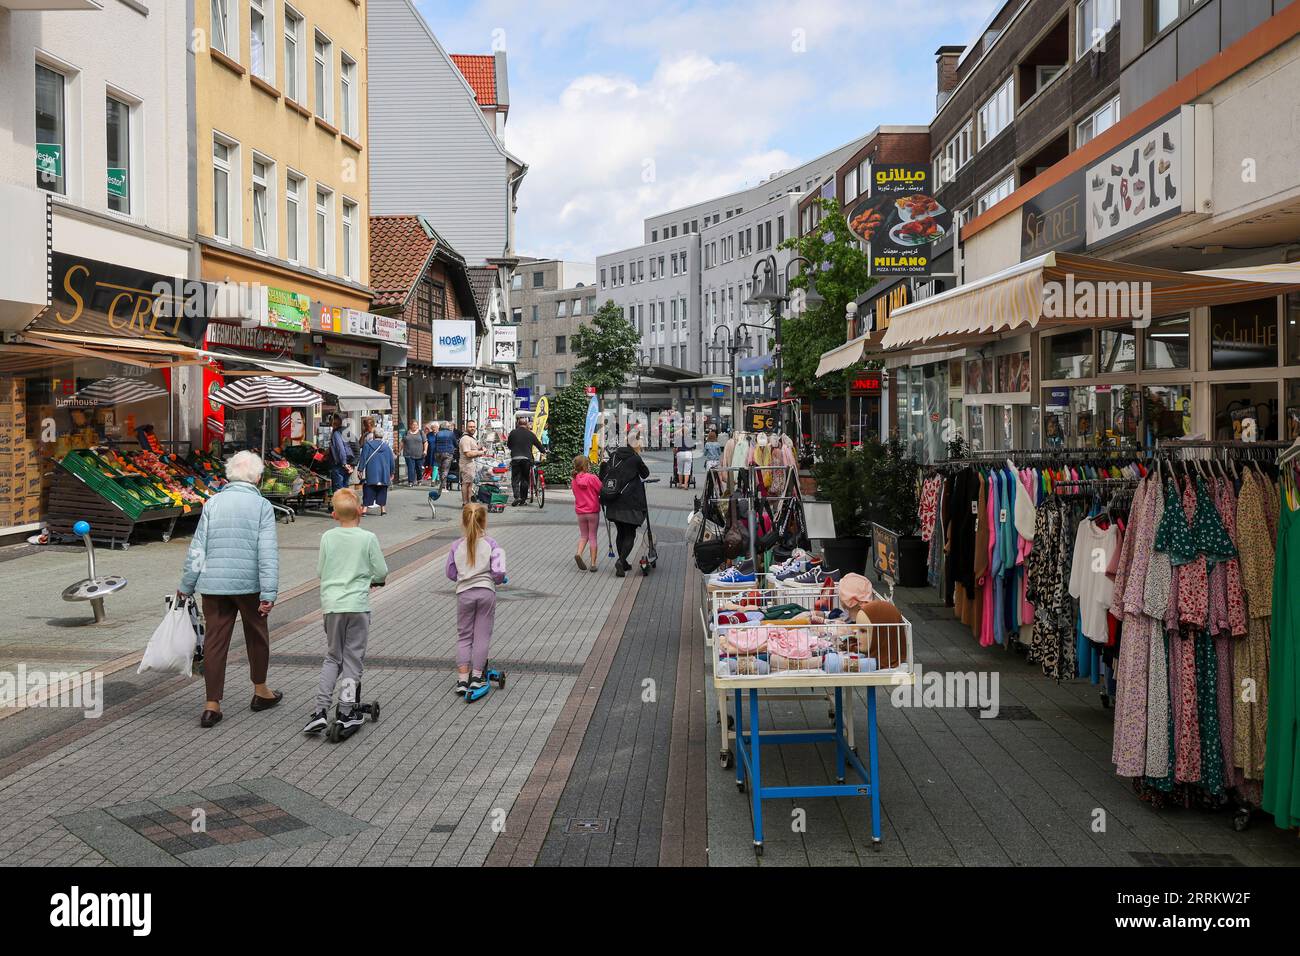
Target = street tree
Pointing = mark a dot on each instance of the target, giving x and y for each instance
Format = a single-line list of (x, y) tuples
[(607, 350), (842, 273)]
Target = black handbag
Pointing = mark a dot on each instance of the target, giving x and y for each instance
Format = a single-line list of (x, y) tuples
[(733, 539), (766, 540), (709, 552)]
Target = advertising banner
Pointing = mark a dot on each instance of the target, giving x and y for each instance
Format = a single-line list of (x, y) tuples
[(1143, 182), (453, 343), (287, 311), (900, 219), (505, 344), (390, 329), (1054, 220)]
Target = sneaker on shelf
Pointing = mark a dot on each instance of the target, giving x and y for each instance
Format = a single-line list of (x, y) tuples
[(797, 565), (814, 578), (733, 577)]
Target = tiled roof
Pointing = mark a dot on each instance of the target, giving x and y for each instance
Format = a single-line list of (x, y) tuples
[(480, 71), (399, 248), (481, 280)]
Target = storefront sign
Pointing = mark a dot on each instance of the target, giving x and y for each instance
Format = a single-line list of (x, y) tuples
[(523, 399), (1143, 182), (865, 384), (288, 311), (253, 339), (352, 350), (390, 329), (888, 304), (1244, 334), (356, 322), (761, 419), (325, 318), (505, 344), (1058, 399), (117, 182), (884, 551), (99, 298), (719, 391), (900, 219), (1054, 220), (49, 159), (453, 343)]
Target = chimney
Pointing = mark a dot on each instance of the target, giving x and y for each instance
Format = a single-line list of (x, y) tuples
[(946, 58)]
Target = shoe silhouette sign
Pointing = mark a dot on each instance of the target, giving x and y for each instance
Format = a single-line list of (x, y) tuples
[(1140, 182)]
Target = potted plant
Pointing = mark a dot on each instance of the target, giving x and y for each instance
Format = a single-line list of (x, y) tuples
[(844, 479), (896, 506)]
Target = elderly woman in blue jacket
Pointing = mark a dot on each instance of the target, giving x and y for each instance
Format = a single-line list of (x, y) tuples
[(376, 463), (234, 563)]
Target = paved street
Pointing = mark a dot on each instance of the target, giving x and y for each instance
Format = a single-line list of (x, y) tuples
[(602, 749)]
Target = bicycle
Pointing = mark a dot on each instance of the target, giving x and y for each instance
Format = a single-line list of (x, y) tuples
[(537, 485)]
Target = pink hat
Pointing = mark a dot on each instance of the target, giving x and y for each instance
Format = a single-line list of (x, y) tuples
[(855, 590)]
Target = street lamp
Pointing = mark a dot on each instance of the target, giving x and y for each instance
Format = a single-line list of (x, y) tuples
[(850, 322), (735, 345), (768, 294)]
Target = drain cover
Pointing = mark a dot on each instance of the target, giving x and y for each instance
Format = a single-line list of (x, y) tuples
[(587, 825)]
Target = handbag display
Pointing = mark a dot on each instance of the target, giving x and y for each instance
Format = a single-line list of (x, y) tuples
[(733, 539)]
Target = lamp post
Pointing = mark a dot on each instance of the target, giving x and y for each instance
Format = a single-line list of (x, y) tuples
[(769, 294), (850, 321), (734, 346)]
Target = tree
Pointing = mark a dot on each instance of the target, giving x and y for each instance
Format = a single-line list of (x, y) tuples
[(842, 273), (565, 426), (607, 350)]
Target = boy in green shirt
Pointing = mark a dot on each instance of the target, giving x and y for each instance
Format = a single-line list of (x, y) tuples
[(350, 564)]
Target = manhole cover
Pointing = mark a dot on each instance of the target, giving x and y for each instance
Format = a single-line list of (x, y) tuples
[(1006, 712), (581, 825), (1184, 859)]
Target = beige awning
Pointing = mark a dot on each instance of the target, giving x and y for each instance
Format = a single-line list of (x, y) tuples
[(850, 353), (1014, 301)]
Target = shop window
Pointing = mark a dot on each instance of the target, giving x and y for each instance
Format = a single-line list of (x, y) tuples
[(117, 133), (1118, 350), (1168, 412), (1292, 410), (1012, 372), (1244, 334), (1092, 416), (51, 130), (1168, 344), (1068, 355), (979, 377), (1292, 309), (975, 431), (1236, 401)]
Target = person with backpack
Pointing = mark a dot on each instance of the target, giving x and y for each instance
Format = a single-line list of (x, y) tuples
[(622, 493)]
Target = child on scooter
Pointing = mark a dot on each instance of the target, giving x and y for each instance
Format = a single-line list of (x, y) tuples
[(350, 564), (477, 564)]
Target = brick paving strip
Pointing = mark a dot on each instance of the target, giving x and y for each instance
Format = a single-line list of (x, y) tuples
[(529, 820), (685, 836)]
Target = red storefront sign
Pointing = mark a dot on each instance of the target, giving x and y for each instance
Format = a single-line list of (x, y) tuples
[(865, 384)]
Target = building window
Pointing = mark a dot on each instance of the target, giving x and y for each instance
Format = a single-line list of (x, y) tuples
[(591, 305), (561, 379), (577, 307), (348, 95), (117, 129), (261, 53), (1098, 122), (324, 79), (538, 279), (534, 314), (293, 53), (324, 229), (998, 193), (602, 277), (956, 154), (224, 27), (225, 189), (351, 245), (1094, 20), (561, 309), (293, 217), (1161, 14), (51, 131), (536, 343), (516, 282), (996, 113), (560, 345), (263, 207), (517, 316)]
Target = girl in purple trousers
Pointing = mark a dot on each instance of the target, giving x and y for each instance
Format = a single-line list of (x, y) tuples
[(477, 564)]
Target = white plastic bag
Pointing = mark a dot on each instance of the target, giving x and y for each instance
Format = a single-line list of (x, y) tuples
[(171, 649)]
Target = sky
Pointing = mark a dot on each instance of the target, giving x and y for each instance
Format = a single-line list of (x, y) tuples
[(625, 110)]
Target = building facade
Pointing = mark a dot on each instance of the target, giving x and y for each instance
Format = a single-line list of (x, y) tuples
[(550, 299)]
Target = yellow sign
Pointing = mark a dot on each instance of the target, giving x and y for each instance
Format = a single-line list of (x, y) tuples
[(539, 420)]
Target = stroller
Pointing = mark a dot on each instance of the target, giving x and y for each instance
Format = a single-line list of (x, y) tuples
[(651, 557)]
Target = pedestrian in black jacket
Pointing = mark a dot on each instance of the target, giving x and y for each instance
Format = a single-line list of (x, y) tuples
[(629, 510)]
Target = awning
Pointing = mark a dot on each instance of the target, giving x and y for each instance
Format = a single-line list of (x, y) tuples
[(850, 353), (1013, 301), (350, 396), (145, 353)]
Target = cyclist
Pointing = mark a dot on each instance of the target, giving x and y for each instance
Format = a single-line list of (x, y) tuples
[(521, 443)]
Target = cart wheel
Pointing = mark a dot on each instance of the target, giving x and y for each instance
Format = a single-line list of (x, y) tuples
[(758, 849), (1241, 820), (740, 785), (731, 722), (725, 759), (166, 537), (501, 680), (875, 844), (374, 712)]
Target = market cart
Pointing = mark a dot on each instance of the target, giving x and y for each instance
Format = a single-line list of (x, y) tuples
[(85, 487)]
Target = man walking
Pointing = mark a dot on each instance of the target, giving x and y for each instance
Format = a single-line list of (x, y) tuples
[(413, 450), (521, 443), (340, 454), (470, 452), (442, 447)]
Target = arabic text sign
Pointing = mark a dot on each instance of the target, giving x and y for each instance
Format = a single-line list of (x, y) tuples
[(900, 219)]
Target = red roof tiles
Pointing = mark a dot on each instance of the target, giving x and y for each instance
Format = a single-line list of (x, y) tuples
[(399, 248), (480, 71)]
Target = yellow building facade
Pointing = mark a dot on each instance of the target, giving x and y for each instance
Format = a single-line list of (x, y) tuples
[(280, 148)]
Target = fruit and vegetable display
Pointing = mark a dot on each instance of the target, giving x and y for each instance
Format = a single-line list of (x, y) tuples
[(285, 477), (142, 478)]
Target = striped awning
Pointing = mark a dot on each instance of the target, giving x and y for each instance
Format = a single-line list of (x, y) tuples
[(264, 391), (850, 353), (1013, 301), (114, 391)]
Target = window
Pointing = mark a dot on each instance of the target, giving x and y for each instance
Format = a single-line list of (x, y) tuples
[(351, 241), (851, 185), (622, 279), (780, 229), (1098, 122), (577, 307), (225, 190), (998, 193), (324, 229), (293, 53), (561, 379), (1168, 343), (1162, 14), (602, 274), (674, 259), (956, 154), (591, 305), (538, 279), (536, 343), (224, 30), (653, 274), (654, 235), (1094, 20), (51, 130), (559, 345), (348, 96), (295, 225), (263, 230), (996, 113), (1068, 355), (117, 129), (561, 308), (517, 316), (260, 25), (516, 282), (534, 313), (324, 80)]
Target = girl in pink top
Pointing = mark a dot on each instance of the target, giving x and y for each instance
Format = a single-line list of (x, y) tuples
[(586, 503)]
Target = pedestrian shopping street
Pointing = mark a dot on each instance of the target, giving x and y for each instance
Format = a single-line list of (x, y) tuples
[(602, 748)]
